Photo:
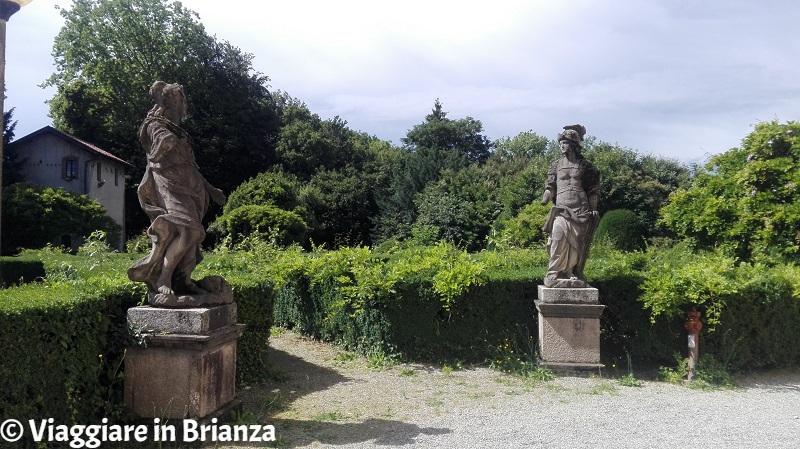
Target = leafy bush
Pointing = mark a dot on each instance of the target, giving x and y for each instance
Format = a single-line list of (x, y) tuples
[(264, 221), (623, 228), (525, 230), (461, 206), (276, 188), (746, 200), (34, 216)]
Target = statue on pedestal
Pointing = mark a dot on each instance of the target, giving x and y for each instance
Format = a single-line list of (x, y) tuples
[(573, 185), (175, 196)]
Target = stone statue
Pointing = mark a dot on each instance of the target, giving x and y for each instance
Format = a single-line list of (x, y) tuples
[(175, 196), (573, 185)]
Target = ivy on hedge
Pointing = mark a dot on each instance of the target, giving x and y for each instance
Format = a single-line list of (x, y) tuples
[(389, 302)]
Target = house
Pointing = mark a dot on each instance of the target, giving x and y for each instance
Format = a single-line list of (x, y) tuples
[(54, 158)]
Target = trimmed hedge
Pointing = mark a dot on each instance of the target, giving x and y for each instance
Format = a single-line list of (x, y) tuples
[(18, 270), (337, 298), (62, 341), (414, 324), (624, 228), (62, 346)]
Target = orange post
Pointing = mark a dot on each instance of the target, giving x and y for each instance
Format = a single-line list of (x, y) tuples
[(693, 326)]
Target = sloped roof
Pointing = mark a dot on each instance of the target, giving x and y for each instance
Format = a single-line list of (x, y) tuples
[(70, 138)]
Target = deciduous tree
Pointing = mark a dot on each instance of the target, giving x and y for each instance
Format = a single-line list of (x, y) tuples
[(109, 52), (746, 200)]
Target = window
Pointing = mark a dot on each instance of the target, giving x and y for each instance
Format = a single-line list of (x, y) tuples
[(116, 176), (99, 172), (69, 168)]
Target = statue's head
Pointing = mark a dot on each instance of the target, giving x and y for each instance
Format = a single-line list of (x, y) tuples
[(572, 135), (169, 98)]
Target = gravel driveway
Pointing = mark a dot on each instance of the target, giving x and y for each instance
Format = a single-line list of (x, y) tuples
[(334, 399)]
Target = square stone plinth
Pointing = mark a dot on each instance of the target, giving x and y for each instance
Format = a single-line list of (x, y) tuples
[(569, 334), (588, 295), (182, 376), (198, 321)]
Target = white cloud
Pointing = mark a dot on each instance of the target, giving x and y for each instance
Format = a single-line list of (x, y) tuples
[(672, 78)]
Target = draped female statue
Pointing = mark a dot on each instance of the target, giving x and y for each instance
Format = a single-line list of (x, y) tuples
[(175, 196)]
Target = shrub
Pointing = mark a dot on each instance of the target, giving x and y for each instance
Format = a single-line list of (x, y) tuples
[(525, 230), (623, 228), (276, 188), (263, 221), (34, 216)]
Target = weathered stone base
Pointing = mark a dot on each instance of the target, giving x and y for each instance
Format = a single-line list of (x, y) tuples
[(190, 374), (195, 321), (573, 369), (569, 328)]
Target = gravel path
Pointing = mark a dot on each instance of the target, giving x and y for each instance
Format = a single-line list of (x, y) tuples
[(333, 399)]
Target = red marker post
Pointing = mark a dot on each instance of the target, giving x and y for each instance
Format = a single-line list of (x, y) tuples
[(693, 326)]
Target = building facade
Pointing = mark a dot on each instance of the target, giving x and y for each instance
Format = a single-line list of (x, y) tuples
[(55, 159)]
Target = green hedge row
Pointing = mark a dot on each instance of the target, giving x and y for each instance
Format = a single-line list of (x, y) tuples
[(338, 298), (414, 324), (62, 340), (19, 270), (62, 348), (422, 303)]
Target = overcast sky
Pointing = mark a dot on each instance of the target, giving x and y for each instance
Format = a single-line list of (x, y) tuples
[(681, 79)]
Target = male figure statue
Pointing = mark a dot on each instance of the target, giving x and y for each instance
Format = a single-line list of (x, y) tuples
[(573, 185)]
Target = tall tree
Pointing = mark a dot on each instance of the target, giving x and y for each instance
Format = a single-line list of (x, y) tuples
[(307, 144), (636, 182), (108, 54), (746, 200), (437, 144), (12, 164)]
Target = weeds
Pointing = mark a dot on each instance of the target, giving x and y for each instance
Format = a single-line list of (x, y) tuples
[(629, 380), (709, 373), (344, 358), (602, 388), (519, 356), (379, 360)]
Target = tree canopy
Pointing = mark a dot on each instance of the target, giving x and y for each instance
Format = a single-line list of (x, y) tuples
[(746, 200), (108, 54), (12, 163), (448, 180)]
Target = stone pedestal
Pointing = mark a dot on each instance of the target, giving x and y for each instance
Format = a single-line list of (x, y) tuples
[(188, 368), (569, 328)]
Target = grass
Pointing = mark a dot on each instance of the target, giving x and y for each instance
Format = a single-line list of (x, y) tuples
[(332, 416), (602, 388), (629, 380), (410, 372)]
